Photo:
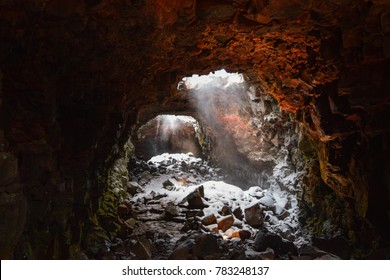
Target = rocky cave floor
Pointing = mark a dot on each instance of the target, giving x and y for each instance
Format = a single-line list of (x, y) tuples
[(180, 208)]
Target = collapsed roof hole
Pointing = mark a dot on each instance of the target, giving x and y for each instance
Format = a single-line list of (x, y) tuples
[(251, 150), (168, 134)]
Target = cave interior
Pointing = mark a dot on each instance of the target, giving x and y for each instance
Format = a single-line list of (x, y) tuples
[(193, 129)]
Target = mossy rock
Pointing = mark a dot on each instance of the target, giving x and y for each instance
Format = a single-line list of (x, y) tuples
[(96, 241)]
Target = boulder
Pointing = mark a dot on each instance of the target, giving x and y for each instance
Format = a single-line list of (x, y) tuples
[(254, 216), (142, 248), (130, 223), (195, 199), (226, 222), (312, 253), (97, 242), (208, 220), (123, 211), (264, 240), (199, 246), (168, 184), (133, 188), (238, 213), (225, 211), (244, 234), (171, 211), (338, 246)]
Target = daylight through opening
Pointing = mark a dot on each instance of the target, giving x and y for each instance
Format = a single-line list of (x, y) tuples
[(231, 169)]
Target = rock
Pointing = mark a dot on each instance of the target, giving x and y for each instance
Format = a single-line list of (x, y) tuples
[(238, 213), (133, 188), (142, 248), (205, 245), (130, 223), (143, 182), (244, 234), (212, 228), (226, 222), (194, 213), (264, 240), (208, 220), (81, 256), (183, 251), (150, 196), (254, 216), (225, 211), (123, 211), (338, 245), (97, 242), (312, 253), (171, 211), (328, 257), (8, 168), (195, 199), (200, 246), (267, 201), (146, 176), (168, 184)]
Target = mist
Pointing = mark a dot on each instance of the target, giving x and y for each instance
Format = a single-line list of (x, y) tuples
[(218, 97)]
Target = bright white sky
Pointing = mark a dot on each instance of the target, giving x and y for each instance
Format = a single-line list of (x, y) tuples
[(197, 80)]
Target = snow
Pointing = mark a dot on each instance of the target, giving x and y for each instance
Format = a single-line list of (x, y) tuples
[(281, 205)]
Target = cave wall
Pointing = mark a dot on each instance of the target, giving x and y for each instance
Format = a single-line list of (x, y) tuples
[(77, 75)]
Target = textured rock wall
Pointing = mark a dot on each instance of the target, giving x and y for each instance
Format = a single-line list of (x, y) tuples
[(76, 75)]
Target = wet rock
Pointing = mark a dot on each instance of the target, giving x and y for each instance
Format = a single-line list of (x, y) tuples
[(264, 240), (238, 213), (195, 199), (254, 216), (226, 222), (208, 220), (200, 246)]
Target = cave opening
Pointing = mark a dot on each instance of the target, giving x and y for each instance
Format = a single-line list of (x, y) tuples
[(230, 168), (168, 134)]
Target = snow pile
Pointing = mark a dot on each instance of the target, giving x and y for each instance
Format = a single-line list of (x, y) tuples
[(280, 206)]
